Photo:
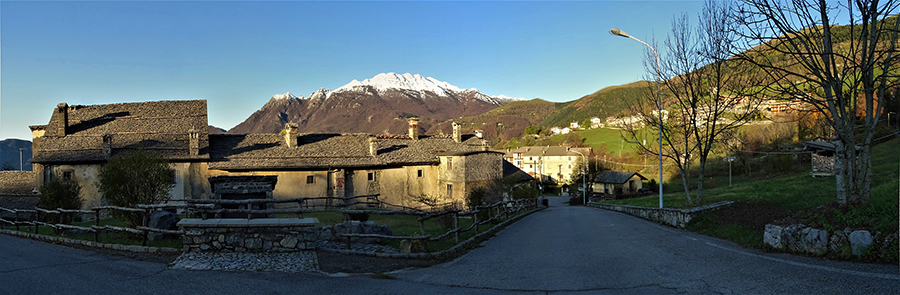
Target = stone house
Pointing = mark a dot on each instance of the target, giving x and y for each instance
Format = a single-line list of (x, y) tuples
[(79, 139), (398, 168), (616, 184), (547, 163)]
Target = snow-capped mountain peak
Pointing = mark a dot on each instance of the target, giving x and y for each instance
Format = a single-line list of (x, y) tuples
[(286, 95), (409, 81)]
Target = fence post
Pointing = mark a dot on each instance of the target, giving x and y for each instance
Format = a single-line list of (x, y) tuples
[(34, 221), (456, 226), (422, 226), (97, 222), (146, 224), (16, 221), (475, 220)]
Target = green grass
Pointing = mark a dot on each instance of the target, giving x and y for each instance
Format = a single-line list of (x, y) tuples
[(611, 140), (802, 195)]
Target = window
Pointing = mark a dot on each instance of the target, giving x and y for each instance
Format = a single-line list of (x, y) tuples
[(530, 166), (310, 179), (371, 176), (449, 190), (67, 175), (449, 163), (172, 176), (421, 173)]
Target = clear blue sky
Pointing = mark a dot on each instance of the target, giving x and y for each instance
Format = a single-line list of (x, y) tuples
[(238, 54)]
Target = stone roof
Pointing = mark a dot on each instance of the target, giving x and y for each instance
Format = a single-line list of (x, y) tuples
[(510, 170), (617, 177), (317, 151), (159, 127), (17, 183), (538, 151)]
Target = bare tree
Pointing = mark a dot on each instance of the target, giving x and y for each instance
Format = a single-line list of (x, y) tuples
[(709, 93), (841, 71)]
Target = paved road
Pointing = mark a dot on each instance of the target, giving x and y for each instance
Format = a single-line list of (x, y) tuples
[(560, 250)]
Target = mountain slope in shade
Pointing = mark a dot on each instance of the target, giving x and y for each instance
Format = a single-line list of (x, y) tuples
[(377, 105), (9, 153)]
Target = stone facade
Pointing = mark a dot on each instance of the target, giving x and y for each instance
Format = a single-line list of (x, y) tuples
[(673, 217), (798, 238), (257, 235)]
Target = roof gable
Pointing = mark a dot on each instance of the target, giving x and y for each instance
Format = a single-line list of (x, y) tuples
[(617, 177)]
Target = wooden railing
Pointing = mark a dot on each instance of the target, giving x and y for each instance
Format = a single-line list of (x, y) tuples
[(205, 207)]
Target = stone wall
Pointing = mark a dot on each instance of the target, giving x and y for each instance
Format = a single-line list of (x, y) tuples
[(673, 217), (256, 235), (798, 238)]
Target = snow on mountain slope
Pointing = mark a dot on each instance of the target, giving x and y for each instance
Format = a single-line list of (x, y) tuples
[(385, 81)]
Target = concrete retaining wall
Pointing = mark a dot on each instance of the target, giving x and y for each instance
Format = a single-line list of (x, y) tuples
[(673, 217)]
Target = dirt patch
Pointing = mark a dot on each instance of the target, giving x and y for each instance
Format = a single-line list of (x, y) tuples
[(755, 216), (821, 215), (334, 262)]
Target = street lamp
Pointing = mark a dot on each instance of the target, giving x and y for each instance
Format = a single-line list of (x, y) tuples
[(617, 32), (583, 177)]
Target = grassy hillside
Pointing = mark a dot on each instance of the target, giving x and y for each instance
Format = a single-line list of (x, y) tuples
[(791, 198), (505, 122), (609, 101)]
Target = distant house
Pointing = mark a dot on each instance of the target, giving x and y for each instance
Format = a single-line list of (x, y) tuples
[(618, 183), (547, 163), (558, 130), (596, 122), (574, 125)]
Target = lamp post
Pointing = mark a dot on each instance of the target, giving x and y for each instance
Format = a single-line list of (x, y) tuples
[(617, 32), (583, 177)]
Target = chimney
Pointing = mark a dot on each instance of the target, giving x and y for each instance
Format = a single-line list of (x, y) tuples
[(107, 144), (413, 128), (194, 142), (479, 134), (373, 146), (62, 117), (457, 136), (290, 134), (484, 145)]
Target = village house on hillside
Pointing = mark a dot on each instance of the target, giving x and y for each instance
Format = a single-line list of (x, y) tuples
[(78, 140), (615, 184), (547, 163)]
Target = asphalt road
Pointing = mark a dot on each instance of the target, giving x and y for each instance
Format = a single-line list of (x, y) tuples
[(559, 250)]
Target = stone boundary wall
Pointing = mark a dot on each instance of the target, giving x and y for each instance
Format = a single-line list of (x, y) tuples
[(256, 235), (799, 238), (92, 244), (440, 254), (672, 217)]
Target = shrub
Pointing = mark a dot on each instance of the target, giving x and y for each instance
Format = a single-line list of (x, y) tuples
[(134, 178), (359, 216), (60, 193), (476, 197)]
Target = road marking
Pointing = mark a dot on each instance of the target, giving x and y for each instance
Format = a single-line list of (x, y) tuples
[(819, 267)]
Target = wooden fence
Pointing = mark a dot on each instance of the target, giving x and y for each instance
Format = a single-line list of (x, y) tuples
[(206, 207)]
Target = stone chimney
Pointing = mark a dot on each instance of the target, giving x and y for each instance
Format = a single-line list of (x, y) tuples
[(479, 134), (484, 145), (413, 128), (194, 144), (290, 134), (62, 117), (107, 144), (457, 135), (373, 146)]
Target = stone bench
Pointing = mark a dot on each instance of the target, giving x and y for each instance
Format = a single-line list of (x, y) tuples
[(254, 235)]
